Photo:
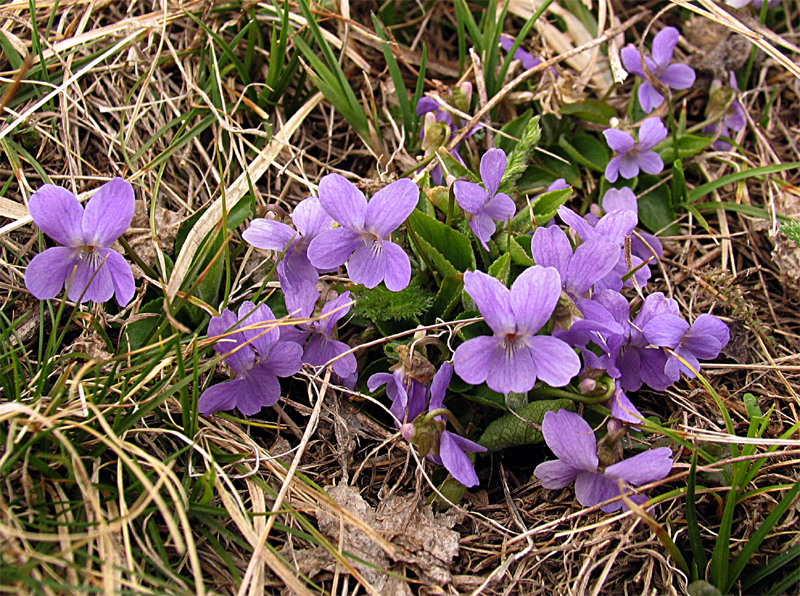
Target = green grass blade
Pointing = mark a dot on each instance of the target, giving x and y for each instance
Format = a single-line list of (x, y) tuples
[(692, 527), (400, 90), (750, 547), (703, 190), (465, 19)]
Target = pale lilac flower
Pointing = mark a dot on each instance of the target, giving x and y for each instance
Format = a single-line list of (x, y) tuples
[(624, 199), (676, 76), (85, 263), (528, 61), (453, 449), (298, 277), (408, 396), (256, 365), (614, 227), (429, 433), (755, 3), (579, 270), (733, 119), (705, 339), (633, 156), (321, 347), (486, 205), (514, 357), (572, 441), (363, 238)]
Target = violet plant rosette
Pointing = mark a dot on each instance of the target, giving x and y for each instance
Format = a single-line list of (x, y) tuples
[(486, 205), (675, 76), (632, 155), (85, 264), (572, 441), (514, 357), (362, 240), (254, 351), (297, 276)]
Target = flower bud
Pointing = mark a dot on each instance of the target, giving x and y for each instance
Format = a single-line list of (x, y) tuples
[(587, 386), (435, 133), (462, 96)]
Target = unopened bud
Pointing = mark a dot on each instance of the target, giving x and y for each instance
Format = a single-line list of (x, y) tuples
[(462, 96), (435, 133), (613, 122), (587, 386)]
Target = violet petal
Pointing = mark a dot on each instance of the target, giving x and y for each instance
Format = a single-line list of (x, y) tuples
[(108, 213), (343, 202), (58, 214), (48, 271)]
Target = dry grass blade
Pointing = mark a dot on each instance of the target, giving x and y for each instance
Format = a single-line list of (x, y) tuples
[(233, 194), (759, 38)]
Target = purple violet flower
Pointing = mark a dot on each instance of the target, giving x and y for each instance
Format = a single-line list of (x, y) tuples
[(614, 227), (453, 449), (321, 348), (429, 433), (579, 270), (408, 396), (629, 356), (363, 238), (676, 76), (486, 206), (705, 339), (84, 263), (527, 59), (297, 275), (733, 119), (624, 199), (633, 156), (514, 357), (572, 441), (256, 365), (754, 3)]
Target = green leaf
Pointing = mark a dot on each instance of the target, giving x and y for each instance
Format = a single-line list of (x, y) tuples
[(679, 194), (447, 298), (701, 191), (481, 394), (546, 204), (518, 248), (548, 169), (456, 168), (692, 528), (514, 129), (688, 145), (749, 210), (501, 269), (656, 212), (751, 406), (585, 150), (509, 430), (702, 588), (452, 245), (140, 330), (590, 110)]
